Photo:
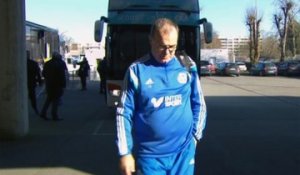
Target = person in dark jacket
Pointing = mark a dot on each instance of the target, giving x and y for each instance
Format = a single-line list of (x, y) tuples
[(55, 80), (102, 72), (33, 78), (83, 72)]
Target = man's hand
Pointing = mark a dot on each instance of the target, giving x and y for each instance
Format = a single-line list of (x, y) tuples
[(127, 164)]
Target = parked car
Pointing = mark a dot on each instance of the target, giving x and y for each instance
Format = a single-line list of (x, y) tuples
[(242, 66), (263, 69), (228, 69), (289, 67), (293, 69), (282, 67), (207, 68)]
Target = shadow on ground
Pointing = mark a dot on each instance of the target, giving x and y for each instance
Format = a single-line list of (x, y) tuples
[(244, 136)]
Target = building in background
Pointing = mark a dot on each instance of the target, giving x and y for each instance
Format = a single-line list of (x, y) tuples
[(93, 53), (215, 55), (41, 41), (238, 48)]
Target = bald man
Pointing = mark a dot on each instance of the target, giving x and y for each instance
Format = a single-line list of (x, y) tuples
[(162, 112)]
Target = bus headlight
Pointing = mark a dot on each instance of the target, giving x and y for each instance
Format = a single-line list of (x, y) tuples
[(115, 92)]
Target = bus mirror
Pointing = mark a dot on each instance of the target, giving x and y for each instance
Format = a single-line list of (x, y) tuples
[(208, 32), (98, 31), (99, 26)]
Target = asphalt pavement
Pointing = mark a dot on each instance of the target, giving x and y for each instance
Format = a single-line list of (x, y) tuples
[(81, 144), (252, 128)]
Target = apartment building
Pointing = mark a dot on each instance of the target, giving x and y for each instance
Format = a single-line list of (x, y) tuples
[(237, 47)]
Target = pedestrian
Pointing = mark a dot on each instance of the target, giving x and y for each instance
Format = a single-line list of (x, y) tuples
[(33, 78), (162, 112), (54, 73), (83, 72), (102, 73)]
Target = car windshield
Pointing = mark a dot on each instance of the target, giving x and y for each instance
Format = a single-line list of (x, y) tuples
[(230, 65), (270, 65)]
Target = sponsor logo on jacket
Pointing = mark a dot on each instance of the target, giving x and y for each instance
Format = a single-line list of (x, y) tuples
[(173, 100)]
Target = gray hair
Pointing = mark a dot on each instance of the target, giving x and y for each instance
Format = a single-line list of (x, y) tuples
[(159, 24)]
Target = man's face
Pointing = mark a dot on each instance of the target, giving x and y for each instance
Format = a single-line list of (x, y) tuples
[(164, 43)]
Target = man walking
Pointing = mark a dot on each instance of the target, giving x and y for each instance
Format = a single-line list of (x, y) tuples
[(162, 112), (55, 80)]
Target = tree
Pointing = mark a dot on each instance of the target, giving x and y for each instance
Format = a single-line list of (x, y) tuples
[(215, 44), (253, 24), (66, 41), (293, 38), (297, 37), (242, 52), (281, 21), (270, 47)]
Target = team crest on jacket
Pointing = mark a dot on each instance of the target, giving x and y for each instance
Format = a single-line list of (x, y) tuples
[(182, 77)]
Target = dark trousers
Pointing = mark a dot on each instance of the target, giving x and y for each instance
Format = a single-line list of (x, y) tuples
[(83, 82), (102, 83), (102, 86), (32, 98), (54, 101)]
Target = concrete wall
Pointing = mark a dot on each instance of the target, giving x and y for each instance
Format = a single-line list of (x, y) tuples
[(13, 88)]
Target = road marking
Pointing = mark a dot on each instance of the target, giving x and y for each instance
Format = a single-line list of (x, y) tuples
[(98, 128)]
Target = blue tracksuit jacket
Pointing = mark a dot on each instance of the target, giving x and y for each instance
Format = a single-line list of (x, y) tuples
[(162, 108)]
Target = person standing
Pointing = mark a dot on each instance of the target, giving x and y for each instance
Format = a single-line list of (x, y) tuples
[(33, 78), (83, 72), (162, 112), (54, 73), (102, 73)]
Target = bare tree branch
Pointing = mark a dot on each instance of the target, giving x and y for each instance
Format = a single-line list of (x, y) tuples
[(281, 20), (253, 25)]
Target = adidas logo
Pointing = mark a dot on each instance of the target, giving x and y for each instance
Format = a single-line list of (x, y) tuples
[(149, 82)]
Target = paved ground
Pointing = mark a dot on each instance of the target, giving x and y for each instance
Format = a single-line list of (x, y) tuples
[(253, 128), (80, 144)]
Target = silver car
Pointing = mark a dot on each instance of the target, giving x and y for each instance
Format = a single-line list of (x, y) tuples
[(242, 66), (263, 69)]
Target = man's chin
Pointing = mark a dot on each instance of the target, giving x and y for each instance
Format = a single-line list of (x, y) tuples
[(165, 60)]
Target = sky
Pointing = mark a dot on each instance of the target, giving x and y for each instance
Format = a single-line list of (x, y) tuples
[(228, 16), (75, 18)]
